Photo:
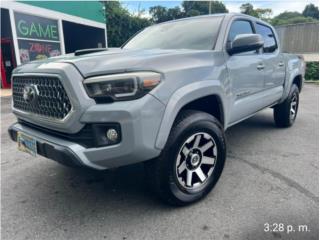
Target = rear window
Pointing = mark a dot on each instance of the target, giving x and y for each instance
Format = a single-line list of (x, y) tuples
[(270, 44)]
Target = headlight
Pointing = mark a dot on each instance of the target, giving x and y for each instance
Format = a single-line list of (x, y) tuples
[(120, 87)]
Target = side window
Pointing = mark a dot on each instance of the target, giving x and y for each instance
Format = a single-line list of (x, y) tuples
[(270, 44), (239, 27)]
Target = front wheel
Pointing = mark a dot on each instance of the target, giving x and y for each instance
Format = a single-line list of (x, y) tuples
[(192, 160), (286, 112)]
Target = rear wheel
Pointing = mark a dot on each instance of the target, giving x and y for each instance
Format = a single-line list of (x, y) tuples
[(192, 160), (286, 113)]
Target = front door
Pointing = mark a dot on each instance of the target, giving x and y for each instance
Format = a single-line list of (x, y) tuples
[(246, 74), (8, 62)]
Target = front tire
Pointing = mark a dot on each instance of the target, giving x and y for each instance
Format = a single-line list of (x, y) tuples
[(286, 112), (192, 160)]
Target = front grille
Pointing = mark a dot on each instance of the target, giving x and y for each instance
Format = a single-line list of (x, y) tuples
[(51, 100)]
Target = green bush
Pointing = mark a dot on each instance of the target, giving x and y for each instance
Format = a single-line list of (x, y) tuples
[(312, 71)]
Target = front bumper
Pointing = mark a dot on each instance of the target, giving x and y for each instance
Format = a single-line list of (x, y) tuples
[(55, 152), (139, 120)]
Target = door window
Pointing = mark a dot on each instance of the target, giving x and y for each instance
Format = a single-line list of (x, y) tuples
[(239, 27), (270, 43)]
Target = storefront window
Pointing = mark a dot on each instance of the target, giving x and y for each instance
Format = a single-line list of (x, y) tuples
[(38, 37)]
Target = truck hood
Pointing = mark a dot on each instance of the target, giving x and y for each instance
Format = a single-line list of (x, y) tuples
[(122, 60)]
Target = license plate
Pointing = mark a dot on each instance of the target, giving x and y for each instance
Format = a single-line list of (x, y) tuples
[(27, 144)]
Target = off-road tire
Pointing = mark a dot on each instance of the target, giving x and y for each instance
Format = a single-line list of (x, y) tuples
[(162, 171), (282, 113)]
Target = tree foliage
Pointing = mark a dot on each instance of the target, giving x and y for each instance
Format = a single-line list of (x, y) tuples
[(263, 13), (312, 71), (203, 7), (161, 14), (310, 14), (311, 11), (290, 18), (189, 9), (121, 25)]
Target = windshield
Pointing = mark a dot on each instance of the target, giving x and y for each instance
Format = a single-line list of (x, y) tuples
[(198, 34)]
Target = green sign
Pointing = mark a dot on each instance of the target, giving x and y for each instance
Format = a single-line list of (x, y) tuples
[(34, 27)]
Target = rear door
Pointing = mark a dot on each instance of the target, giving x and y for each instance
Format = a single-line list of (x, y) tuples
[(246, 74), (274, 66)]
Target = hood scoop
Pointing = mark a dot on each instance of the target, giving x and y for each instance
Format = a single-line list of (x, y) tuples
[(89, 50)]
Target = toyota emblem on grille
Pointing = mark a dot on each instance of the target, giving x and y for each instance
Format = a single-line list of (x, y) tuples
[(30, 93)]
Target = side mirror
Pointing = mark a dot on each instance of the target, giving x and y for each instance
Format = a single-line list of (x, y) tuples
[(245, 43)]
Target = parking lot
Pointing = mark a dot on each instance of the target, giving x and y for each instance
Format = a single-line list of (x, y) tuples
[(270, 176)]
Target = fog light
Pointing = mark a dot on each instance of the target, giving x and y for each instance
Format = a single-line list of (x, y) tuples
[(112, 135)]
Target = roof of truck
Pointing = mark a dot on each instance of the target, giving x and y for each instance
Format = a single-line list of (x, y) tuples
[(214, 15)]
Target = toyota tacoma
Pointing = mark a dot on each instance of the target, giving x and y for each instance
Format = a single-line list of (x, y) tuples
[(165, 98)]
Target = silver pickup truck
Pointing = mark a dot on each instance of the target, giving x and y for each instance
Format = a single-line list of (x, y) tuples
[(166, 97)]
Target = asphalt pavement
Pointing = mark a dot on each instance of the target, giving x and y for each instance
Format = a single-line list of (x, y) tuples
[(270, 177)]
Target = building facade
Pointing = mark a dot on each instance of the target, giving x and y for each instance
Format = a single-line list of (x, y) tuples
[(34, 30)]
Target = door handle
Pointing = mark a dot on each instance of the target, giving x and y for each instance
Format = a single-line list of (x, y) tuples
[(281, 64), (260, 66)]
